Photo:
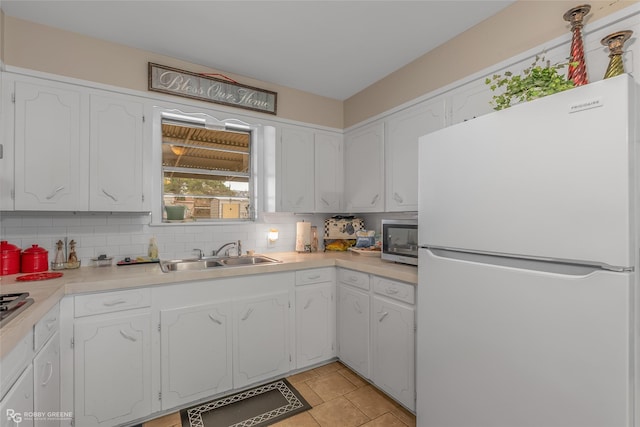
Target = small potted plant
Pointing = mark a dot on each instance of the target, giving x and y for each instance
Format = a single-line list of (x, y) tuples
[(540, 79)]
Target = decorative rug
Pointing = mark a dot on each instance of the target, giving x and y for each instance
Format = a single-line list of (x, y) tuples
[(259, 406)]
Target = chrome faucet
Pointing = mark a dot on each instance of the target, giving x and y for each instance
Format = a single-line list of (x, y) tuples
[(199, 252), (236, 244)]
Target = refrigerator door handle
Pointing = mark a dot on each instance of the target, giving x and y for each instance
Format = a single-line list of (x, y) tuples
[(536, 264)]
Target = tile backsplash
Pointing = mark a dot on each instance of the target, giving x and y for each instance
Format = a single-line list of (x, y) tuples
[(123, 235)]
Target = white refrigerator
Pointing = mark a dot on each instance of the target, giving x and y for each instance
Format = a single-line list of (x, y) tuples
[(528, 291)]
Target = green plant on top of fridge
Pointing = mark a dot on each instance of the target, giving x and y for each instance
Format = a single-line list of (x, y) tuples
[(538, 80)]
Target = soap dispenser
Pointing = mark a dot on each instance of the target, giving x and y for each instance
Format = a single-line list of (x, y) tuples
[(153, 248)]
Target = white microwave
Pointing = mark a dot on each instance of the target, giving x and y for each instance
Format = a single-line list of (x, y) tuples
[(400, 240)]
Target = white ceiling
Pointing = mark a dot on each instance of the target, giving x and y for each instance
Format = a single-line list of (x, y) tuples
[(329, 48)]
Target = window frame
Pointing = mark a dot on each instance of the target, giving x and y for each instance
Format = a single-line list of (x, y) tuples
[(200, 119)]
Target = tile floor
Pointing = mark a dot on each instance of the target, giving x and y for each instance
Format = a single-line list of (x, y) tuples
[(339, 398)]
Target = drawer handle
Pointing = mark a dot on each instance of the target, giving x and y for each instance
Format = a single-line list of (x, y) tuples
[(247, 314), (214, 319), (56, 191), (391, 291), (308, 304), (314, 277), (112, 197), (385, 314), (114, 302), (49, 375), (353, 278), (127, 336), (357, 307)]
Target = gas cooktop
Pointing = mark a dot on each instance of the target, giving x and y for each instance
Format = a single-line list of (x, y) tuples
[(13, 304)]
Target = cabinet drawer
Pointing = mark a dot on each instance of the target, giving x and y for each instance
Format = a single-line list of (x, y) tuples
[(46, 327), (314, 275), (13, 364), (354, 278), (87, 305), (401, 291)]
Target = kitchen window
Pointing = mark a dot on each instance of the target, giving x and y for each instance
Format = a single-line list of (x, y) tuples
[(207, 173)]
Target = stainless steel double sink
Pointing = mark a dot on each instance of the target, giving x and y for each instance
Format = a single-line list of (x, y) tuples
[(196, 264)]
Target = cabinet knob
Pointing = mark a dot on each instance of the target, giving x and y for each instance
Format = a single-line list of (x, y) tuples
[(49, 375), (56, 191), (111, 196), (114, 302), (127, 336), (214, 319)]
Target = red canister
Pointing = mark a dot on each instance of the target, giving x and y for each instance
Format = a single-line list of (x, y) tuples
[(9, 258), (34, 260)]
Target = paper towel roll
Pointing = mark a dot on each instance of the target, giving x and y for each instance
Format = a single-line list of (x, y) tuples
[(303, 236)]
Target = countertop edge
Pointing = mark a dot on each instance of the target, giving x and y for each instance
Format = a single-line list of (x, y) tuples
[(101, 279)]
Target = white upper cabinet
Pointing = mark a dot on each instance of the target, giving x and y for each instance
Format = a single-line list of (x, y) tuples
[(364, 169), (116, 154), (73, 148), (401, 152), (48, 150), (470, 101), (329, 176), (309, 168), (296, 171)]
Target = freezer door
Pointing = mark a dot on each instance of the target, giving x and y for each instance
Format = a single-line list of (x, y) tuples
[(502, 346), (553, 178)]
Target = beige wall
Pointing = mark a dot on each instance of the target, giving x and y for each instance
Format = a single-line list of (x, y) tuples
[(42, 48), (518, 28)]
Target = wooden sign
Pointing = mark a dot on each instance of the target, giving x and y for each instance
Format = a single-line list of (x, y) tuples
[(200, 86)]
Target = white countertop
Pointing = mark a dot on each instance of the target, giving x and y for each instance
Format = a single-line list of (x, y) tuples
[(47, 293)]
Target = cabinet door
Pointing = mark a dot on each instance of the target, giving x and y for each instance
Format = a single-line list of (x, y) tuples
[(296, 171), (18, 402), (7, 128), (470, 101), (393, 336), (48, 154), (261, 349), (112, 367), (196, 352), (315, 323), (116, 154), (353, 328), (46, 382), (401, 153), (364, 169), (329, 169)]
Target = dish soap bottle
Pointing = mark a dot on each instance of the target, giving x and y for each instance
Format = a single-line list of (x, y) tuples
[(153, 249)]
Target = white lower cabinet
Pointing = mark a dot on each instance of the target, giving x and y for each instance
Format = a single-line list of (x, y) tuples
[(30, 376), (376, 332), (112, 367), (46, 383), (147, 350), (393, 354), (18, 402), (262, 341), (353, 324), (196, 358), (315, 316)]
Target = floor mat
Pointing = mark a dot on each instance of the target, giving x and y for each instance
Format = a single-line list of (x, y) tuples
[(259, 406)]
